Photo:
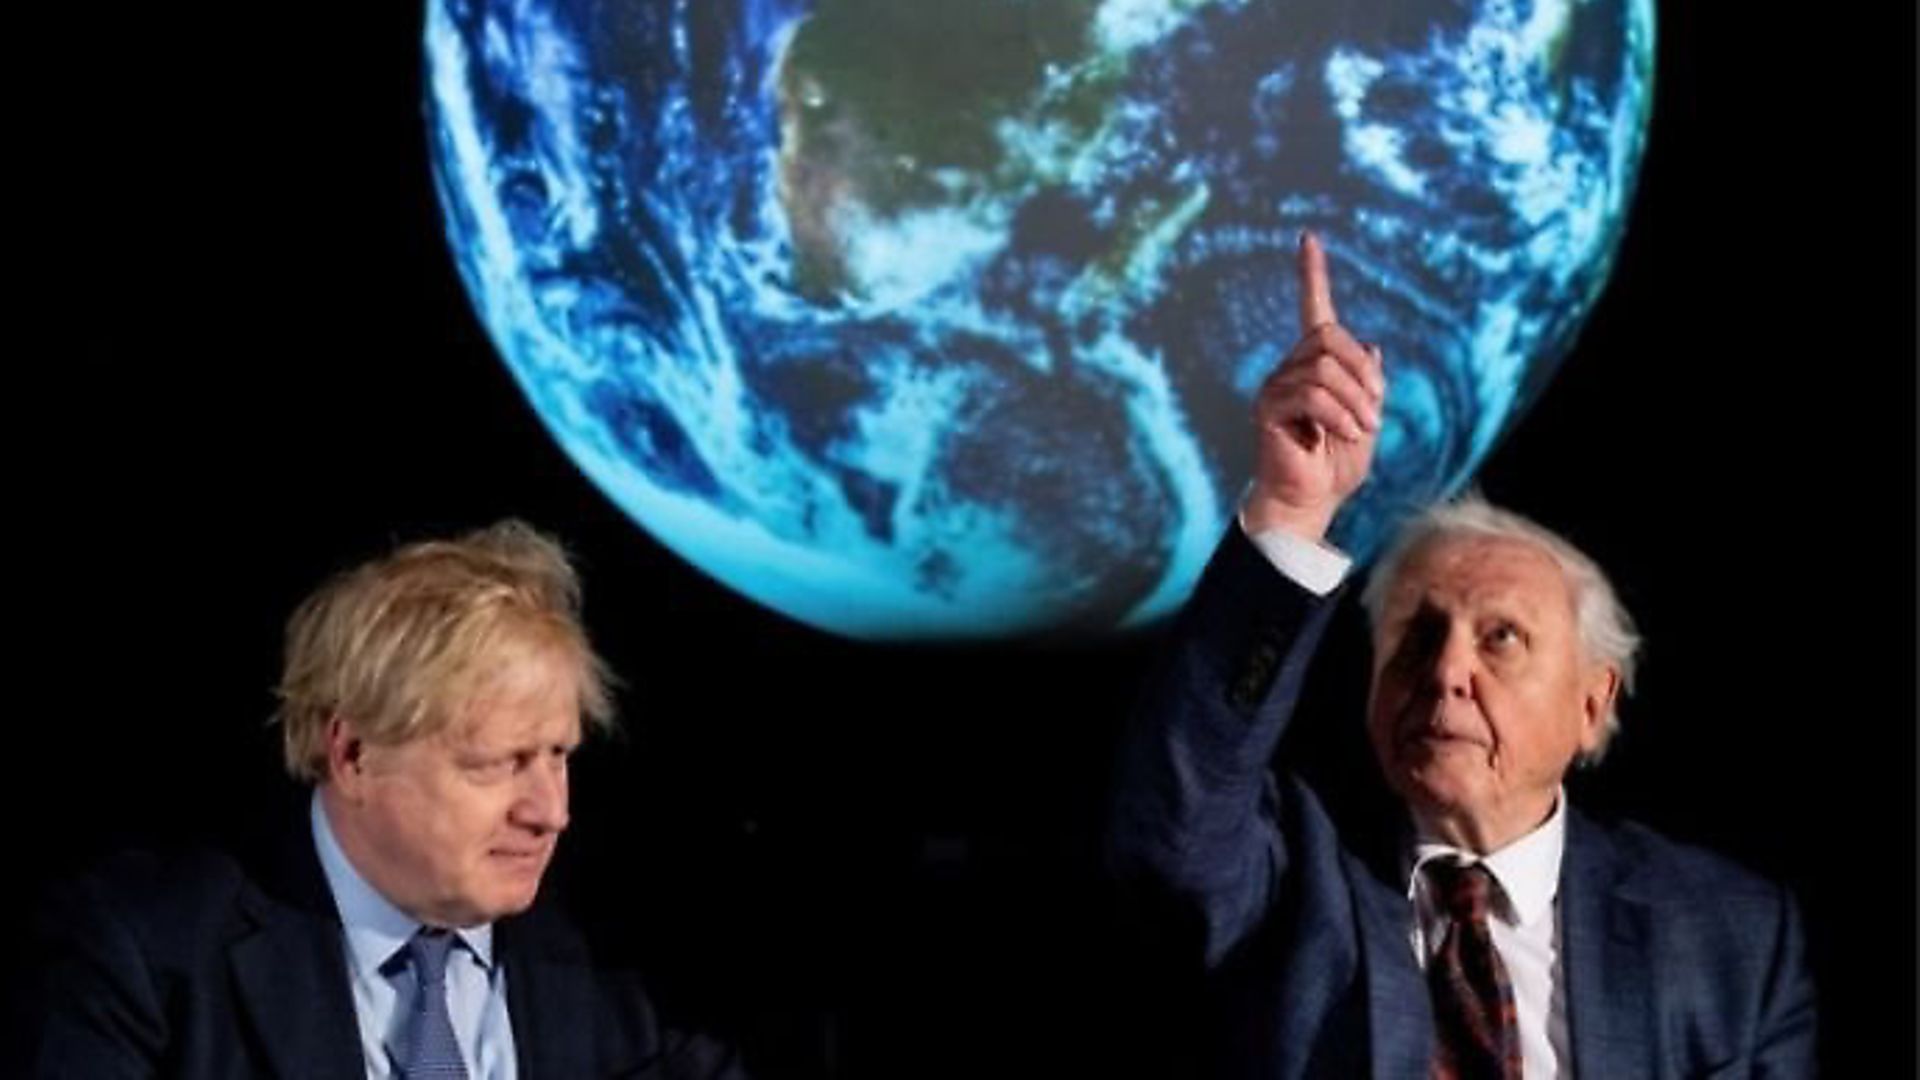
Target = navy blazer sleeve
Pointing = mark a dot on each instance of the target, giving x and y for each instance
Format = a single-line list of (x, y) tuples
[(1196, 814), (105, 1011), (1788, 1027), (102, 1015)]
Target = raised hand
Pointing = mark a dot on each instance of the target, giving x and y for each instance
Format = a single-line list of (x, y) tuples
[(1317, 416)]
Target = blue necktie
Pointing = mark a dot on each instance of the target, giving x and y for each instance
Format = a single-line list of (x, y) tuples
[(426, 1048)]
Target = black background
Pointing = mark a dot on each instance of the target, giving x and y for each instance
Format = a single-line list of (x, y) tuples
[(869, 861)]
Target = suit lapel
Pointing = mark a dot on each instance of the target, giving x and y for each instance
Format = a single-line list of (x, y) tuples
[(550, 996), (1607, 943), (1399, 1012), (293, 986), (291, 972)]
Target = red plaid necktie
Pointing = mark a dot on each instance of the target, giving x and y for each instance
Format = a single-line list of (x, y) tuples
[(1479, 1034)]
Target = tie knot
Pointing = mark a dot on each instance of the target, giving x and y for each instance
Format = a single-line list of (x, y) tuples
[(428, 951), (1465, 890)]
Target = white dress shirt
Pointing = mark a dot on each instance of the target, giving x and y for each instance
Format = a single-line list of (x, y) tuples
[(1316, 567)]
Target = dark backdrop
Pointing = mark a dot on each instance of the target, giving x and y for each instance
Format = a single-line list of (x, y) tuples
[(878, 862)]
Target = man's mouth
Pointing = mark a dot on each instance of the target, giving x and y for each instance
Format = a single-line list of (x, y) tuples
[(1430, 732)]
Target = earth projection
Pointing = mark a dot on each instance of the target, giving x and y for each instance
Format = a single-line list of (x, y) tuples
[(941, 319)]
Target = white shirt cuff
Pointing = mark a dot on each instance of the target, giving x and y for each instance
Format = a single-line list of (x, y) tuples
[(1314, 566)]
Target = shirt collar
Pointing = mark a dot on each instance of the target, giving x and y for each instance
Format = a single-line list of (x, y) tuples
[(1527, 870), (375, 928)]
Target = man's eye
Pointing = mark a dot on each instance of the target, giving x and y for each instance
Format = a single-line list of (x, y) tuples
[(498, 768), (1503, 637)]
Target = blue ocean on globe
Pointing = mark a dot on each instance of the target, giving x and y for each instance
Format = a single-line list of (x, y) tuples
[(942, 319)]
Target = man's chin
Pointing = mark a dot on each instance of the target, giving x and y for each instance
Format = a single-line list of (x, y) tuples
[(1438, 784), (510, 892), (502, 903)]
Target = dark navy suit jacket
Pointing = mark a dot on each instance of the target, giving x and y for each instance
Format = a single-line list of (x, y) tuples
[(199, 967), (1677, 963)]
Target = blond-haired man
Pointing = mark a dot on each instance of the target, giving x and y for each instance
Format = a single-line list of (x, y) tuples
[(432, 698)]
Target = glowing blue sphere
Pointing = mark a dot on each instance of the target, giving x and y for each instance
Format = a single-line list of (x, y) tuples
[(942, 319)]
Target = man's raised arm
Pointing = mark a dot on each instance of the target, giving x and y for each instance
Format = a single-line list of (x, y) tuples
[(1194, 815)]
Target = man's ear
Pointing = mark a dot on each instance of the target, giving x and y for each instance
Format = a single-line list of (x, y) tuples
[(1596, 704), (346, 753)]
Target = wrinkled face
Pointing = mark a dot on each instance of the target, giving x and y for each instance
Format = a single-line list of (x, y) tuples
[(1482, 695), (457, 828)]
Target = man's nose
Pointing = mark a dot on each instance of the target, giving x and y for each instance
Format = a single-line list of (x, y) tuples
[(542, 805), (1452, 664)]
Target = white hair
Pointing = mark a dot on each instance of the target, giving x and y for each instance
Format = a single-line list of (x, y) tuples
[(1606, 630)]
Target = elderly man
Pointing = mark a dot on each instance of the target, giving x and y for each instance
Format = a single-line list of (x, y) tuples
[(432, 698), (1488, 929)]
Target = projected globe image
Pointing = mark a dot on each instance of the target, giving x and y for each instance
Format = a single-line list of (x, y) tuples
[(942, 319)]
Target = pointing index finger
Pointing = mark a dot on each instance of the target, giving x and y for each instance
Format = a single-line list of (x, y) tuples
[(1316, 292)]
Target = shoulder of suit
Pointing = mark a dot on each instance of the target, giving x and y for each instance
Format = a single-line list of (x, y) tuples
[(1669, 873), (164, 900), (152, 879)]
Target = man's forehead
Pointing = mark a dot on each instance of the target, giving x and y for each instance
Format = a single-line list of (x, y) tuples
[(1485, 568), (502, 725)]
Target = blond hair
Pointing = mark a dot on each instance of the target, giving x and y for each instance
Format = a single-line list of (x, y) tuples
[(398, 645)]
